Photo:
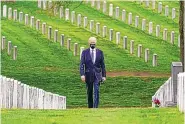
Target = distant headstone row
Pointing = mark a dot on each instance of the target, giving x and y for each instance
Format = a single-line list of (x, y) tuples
[(160, 8), (9, 48), (116, 15), (78, 21), (36, 23), (15, 94)]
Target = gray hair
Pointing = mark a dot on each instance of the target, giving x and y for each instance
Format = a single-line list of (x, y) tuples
[(92, 39)]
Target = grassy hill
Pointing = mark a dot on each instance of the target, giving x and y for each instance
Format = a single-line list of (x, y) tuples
[(47, 65), (116, 58)]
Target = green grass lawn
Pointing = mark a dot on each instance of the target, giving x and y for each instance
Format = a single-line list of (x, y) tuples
[(94, 116), (117, 58)]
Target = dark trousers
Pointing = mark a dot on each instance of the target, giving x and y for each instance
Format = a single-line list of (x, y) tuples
[(90, 86)]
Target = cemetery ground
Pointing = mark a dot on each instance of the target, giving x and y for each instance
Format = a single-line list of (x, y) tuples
[(41, 62), (46, 65), (92, 116)]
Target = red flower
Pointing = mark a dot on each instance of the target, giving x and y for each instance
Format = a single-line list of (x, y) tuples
[(156, 101)]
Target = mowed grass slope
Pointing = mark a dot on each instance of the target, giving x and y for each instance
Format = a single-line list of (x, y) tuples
[(114, 55), (92, 116), (44, 64)]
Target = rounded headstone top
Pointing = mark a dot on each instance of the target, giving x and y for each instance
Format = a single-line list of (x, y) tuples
[(176, 63)]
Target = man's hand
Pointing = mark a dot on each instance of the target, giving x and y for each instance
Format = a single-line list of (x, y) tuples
[(83, 78), (104, 78)]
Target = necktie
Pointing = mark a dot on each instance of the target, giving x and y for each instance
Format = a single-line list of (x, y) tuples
[(92, 56)]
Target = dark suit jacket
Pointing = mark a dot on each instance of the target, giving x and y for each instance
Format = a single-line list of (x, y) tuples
[(88, 69)]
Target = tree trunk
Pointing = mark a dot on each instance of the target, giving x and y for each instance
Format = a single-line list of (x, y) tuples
[(181, 31)]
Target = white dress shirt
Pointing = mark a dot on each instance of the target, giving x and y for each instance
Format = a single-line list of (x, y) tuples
[(93, 50)]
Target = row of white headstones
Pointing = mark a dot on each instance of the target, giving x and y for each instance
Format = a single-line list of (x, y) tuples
[(147, 4), (14, 94), (143, 26), (36, 25), (165, 93), (104, 32), (9, 48), (32, 23)]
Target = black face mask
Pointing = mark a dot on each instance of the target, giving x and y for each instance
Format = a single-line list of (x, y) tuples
[(92, 46)]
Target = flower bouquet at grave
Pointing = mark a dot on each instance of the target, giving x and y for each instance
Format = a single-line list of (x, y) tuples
[(156, 102)]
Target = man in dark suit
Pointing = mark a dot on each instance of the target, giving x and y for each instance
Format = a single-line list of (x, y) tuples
[(92, 71)]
